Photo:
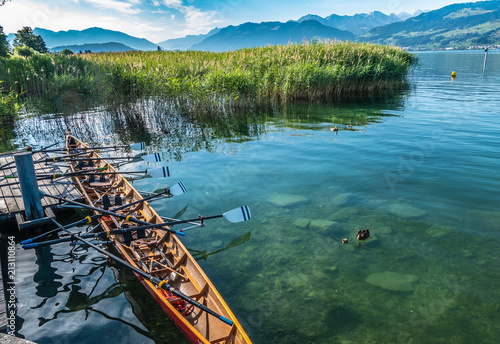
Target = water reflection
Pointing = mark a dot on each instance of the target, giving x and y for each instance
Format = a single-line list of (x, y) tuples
[(165, 126), (198, 255), (7, 133)]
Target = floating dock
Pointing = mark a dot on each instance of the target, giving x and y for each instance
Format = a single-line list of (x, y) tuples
[(11, 199)]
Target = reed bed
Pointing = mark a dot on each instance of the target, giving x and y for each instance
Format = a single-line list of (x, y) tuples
[(319, 71)]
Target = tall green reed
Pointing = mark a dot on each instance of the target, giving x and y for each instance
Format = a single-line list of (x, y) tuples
[(319, 71)]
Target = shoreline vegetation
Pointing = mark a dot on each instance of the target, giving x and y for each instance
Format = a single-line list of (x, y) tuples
[(205, 81)]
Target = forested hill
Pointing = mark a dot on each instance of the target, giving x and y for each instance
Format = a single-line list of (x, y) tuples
[(457, 25)]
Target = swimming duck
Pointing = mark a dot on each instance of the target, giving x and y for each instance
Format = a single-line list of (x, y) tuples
[(363, 234), (335, 128), (344, 241)]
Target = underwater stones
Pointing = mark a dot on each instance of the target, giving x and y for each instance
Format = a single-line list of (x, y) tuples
[(331, 268), (340, 200), (438, 231), (302, 223), (298, 280), (392, 281), (344, 213), (286, 200), (320, 224), (405, 210)]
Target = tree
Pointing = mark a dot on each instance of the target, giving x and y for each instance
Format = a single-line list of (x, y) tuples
[(4, 45), (26, 37), (24, 51), (66, 52)]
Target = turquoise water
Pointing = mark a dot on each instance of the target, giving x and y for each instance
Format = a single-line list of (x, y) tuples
[(419, 168)]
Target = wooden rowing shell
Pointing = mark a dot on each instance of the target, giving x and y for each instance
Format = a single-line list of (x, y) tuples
[(158, 253)]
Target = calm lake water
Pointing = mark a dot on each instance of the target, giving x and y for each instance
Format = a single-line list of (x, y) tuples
[(419, 168)]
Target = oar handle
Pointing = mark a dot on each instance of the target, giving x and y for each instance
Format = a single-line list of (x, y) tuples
[(141, 200), (88, 219), (107, 212), (161, 284)]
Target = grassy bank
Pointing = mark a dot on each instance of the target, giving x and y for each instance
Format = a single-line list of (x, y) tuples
[(321, 71)]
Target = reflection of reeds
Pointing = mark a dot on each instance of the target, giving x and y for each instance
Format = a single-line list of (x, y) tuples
[(205, 80)]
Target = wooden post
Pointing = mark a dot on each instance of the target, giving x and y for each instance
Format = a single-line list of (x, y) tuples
[(29, 186)]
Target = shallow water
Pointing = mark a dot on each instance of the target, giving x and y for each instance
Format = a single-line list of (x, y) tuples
[(420, 168)]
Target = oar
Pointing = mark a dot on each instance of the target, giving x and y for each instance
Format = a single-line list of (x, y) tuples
[(28, 149), (134, 146), (239, 214), (68, 174), (160, 284), (91, 235), (88, 220), (155, 157), (175, 190), (160, 172), (66, 159), (236, 215), (128, 218), (75, 243)]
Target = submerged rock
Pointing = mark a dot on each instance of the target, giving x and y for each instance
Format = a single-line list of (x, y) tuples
[(286, 200), (437, 231), (405, 210), (344, 213), (392, 281), (298, 280), (321, 225), (302, 222), (340, 200)]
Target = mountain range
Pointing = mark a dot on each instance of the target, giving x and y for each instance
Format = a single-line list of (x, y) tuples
[(270, 33), (457, 25), (358, 24), (470, 24)]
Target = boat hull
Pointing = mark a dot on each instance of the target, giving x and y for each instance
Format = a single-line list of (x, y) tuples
[(163, 254)]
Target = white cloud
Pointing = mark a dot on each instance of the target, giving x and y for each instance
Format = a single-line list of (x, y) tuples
[(173, 3), (196, 19), (123, 7)]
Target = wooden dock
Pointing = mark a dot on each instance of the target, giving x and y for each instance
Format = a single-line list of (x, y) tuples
[(6, 339), (11, 200)]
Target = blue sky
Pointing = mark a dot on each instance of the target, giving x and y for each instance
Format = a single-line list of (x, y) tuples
[(158, 20)]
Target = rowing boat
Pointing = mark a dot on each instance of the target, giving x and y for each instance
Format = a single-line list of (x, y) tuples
[(156, 251)]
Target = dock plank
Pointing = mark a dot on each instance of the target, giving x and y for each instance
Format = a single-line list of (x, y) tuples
[(11, 201), (7, 339)]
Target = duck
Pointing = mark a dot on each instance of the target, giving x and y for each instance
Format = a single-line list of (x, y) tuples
[(349, 126), (363, 234), (335, 128), (345, 241)]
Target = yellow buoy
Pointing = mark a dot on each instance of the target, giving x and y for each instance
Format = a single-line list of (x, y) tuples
[(453, 75)]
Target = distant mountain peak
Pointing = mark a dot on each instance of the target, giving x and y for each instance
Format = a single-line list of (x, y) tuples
[(92, 35), (359, 23)]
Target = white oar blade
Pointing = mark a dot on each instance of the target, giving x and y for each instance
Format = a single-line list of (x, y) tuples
[(238, 215), (178, 189), (138, 146), (156, 157), (160, 172)]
